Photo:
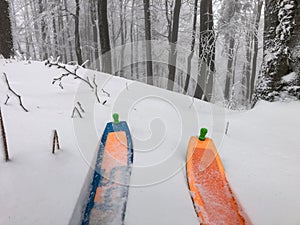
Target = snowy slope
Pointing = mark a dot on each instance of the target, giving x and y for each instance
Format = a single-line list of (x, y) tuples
[(260, 153)]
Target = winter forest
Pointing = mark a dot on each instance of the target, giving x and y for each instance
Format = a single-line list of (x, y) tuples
[(241, 50)]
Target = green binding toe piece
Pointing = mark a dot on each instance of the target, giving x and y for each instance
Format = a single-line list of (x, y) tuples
[(203, 133), (116, 118)]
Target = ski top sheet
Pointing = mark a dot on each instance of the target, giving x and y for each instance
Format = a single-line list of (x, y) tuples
[(212, 196), (110, 184)]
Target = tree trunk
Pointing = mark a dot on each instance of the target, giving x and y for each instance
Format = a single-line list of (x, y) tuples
[(188, 75), (77, 34), (44, 31), (229, 74), (104, 36), (121, 8), (148, 41), (6, 40), (206, 51), (255, 49), (279, 31), (173, 43), (95, 34), (132, 39), (294, 43), (70, 46)]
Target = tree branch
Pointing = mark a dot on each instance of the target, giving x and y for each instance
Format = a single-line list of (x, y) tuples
[(68, 73)]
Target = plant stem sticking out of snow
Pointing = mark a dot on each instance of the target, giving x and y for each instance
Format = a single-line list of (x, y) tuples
[(3, 134), (227, 127), (96, 89), (55, 142), (7, 99), (12, 91), (105, 92), (75, 110), (80, 107)]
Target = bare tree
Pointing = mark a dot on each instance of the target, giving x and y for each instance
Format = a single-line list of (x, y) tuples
[(206, 51), (173, 42), (77, 34), (95, 33), (104, 36), (188, 75), (148, 41), (6, 40), (255, 49)]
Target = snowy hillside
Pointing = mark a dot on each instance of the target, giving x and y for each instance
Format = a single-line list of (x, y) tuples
[(260, 153)]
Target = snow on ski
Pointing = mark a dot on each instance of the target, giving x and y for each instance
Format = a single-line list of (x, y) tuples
[(110, 185), (213, 198)]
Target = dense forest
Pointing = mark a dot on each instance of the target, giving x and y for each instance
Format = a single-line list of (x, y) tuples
[(233, 51)]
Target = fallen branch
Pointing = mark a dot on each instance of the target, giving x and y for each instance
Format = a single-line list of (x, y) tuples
[(55, 142), (68, 73), (3, 134), (74, 111), (96, 89), (12, 91)]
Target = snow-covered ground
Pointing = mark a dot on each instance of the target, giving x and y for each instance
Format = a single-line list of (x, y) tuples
[(261, 152)]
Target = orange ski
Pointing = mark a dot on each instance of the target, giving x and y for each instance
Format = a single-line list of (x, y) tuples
[(213, 198)]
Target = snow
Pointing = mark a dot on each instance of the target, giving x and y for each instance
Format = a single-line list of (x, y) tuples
[(289, 77), (260, 154)]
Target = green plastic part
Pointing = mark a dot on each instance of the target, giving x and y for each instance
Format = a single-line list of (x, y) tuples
[(116, 118), (203, 133)]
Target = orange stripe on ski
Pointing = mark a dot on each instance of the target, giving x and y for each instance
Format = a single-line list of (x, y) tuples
[(213, 198)]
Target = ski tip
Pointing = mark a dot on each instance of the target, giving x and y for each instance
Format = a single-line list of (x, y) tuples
[(203, 133), (116, 118)]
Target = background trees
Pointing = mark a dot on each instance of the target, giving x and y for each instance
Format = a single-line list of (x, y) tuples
[(226, 38), (6, 41)]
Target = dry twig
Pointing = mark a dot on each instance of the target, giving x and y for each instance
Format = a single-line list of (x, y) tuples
[(80, 107), (3, 134), (12, 91), (96, 89), (55, 142), (68, 73), (74, 111)]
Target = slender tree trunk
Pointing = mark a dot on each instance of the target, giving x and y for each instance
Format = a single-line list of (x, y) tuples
[(36, 28), (43, 31), (55, 37), (121, 8), (229, 74), (173, 52), (206, 51), (137, 52), (29, 31), (255, 50), (104, 36), (70, 46), (132, 38), (95, 33), (188, 75), (148, 41), (247, 66), (77, 34)]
